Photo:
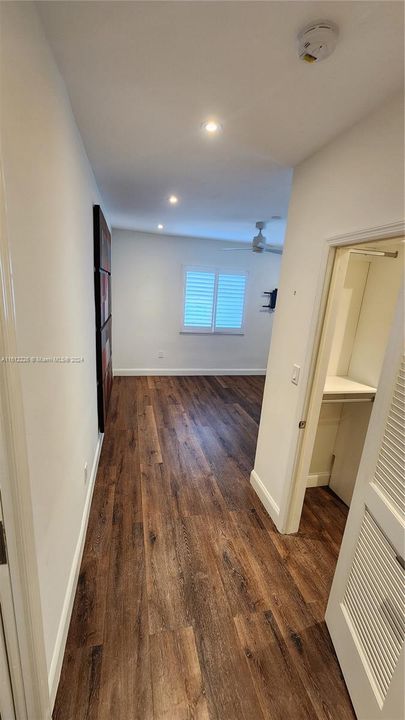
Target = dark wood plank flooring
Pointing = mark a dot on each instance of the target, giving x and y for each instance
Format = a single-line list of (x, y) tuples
[(190, 605)]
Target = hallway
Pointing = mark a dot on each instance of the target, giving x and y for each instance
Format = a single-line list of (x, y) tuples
[(189, 603)]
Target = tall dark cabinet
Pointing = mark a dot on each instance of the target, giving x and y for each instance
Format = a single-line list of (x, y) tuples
[(102, 294)]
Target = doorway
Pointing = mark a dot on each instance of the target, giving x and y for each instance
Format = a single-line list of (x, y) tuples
[(360, 306)]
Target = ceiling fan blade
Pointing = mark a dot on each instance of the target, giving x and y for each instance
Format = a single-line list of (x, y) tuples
[(246, 249), (276, 249)]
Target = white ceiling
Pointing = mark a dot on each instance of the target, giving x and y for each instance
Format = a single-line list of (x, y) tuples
[(142, 76)]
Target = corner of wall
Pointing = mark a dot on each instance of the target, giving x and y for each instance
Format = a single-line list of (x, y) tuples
[(267, 500)]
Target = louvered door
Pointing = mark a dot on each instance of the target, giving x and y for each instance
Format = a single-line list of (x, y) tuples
[(366, 609), (388, 475)]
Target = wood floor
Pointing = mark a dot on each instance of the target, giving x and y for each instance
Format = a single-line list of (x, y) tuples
[(190, 605)]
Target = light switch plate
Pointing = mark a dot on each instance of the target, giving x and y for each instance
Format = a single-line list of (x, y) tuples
[(295, 375)]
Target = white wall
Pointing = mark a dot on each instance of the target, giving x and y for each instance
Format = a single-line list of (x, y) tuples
[(49, 191), (377, 313), (147, 290), (350, 305), (355, 182), (322, 455)]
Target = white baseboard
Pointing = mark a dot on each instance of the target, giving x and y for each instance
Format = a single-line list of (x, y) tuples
[(188, 371), (264, 495), (61, 637), (318, 479)]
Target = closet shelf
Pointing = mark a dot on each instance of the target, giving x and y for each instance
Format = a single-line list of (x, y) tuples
[(341, 385)]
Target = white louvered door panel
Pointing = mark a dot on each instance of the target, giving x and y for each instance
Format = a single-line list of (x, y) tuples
[(374, 601), (366, 609), (389, 472)]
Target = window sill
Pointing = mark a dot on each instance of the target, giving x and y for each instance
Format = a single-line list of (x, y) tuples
[(217, 332)]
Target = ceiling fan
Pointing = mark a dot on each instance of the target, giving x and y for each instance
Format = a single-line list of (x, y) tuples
[(259, 243)]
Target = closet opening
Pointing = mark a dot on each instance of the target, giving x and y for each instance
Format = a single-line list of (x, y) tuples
[(362, 298)]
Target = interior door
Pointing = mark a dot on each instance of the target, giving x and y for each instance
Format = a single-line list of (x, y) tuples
[(366, 610)]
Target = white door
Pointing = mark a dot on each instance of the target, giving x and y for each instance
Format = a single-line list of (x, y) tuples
[(366, 610), (6, 693)]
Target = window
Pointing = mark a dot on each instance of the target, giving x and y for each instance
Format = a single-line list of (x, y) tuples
[(214, 301)]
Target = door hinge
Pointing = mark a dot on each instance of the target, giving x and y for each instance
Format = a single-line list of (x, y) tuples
[(302, 424), (3, 545)]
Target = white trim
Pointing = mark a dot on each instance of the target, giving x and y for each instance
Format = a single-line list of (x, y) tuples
[(61, 637), (379, 232), (318, 479), (264, 495), (187, 371)]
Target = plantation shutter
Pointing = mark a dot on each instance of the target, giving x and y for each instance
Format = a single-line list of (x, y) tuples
[(230, 302), (214, 301), (199, 299)]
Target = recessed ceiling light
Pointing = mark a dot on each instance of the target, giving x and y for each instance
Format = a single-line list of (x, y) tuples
[(160, 226), (211, 126), (173, 199)]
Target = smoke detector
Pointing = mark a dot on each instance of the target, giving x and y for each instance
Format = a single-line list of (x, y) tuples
[(317, 41)]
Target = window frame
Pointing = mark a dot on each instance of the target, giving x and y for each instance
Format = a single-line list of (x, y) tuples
[(217, 271)]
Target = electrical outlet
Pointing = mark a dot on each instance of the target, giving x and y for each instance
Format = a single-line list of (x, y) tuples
[(85, 472), (161, 354)]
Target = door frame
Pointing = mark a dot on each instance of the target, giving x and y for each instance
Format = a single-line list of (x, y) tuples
[(31, 684), (330, 274)]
